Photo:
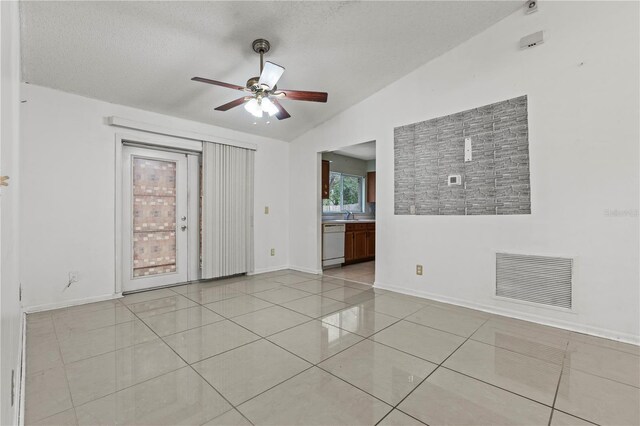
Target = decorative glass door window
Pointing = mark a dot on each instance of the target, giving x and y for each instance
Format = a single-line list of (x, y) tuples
[(154, 217)]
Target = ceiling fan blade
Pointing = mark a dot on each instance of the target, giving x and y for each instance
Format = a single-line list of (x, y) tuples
[(282, 113), (233, 104), (218, 83), (301, 95), (270, 75)]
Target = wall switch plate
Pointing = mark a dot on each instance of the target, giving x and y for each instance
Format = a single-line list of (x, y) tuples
[(273, 252), (467, 149), (418, 269), (266, 210)]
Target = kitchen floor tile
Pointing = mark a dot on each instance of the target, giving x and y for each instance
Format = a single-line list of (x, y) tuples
[(393, 306), (562, 419), (244, 372), (424, 342), (526, 376), (179, 397), (203, 342), (600, 361), (281, 295), (360, 321), (102, 375), (182, 320), (597, 399), (451, 321), (315, 340), (450, 398), (66, 418), (398, 418), (271, 320), (314, 397), (526, 341), (161, 306), (315, 306), (77, 346), (230, 418), (46, 394), (314, 286), (379, 370), (238, 306)]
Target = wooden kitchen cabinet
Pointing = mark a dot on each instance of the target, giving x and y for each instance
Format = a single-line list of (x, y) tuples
[(359, 242), (326, 170), (371, 243), (360, 245), (371, 187), (349, 254)]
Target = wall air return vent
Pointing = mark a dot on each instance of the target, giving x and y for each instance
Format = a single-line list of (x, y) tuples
[(536, 279)]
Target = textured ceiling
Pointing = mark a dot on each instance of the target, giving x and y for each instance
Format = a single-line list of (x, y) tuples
[(143, 54)]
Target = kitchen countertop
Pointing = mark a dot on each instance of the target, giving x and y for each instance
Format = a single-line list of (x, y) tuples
[(350, 221)]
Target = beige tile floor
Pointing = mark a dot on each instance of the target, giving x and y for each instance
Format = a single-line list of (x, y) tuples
[(361, 272), (288, 348)]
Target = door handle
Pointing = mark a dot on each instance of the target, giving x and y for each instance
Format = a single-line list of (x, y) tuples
[(183, 227)]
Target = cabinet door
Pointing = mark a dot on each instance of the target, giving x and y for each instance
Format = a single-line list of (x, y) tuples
[(371, 243), (371, 187), (348, 246), (360, 244), (326, 168)]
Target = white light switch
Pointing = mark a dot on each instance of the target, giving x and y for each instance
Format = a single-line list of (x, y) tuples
[(467, 149)]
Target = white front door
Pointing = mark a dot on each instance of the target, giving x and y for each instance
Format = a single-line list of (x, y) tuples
[(155, 218)]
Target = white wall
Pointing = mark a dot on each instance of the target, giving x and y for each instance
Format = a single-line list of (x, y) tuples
[(10, 311), (68, 192), (583, 91)]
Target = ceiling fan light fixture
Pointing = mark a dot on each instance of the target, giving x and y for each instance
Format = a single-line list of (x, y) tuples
[(253, 106), (269, 107)]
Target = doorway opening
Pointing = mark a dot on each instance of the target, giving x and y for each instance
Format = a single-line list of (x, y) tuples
[(348, 200), (160, 217)]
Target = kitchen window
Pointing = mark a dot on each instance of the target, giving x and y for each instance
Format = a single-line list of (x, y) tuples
[(346, 193)]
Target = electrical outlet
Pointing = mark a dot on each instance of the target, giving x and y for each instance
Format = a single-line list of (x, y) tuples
[(266, 209), (273, 252), (418, 269)]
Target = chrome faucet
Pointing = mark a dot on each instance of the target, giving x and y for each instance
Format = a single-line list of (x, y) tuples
[(349, 214)]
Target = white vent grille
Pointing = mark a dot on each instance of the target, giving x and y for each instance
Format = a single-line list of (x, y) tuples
[(537, 279)]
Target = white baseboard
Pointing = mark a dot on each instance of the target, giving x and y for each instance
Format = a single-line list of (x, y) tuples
[(567, 325), (307, 270), (69, 303), (269, 269)]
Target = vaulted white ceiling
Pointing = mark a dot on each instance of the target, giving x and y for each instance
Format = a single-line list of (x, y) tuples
[(143, 54)]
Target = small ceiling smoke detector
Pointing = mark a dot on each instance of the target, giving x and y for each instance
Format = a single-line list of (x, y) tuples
[(532, 40), (531, 6)]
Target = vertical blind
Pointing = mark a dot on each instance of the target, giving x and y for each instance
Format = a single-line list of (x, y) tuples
[(227, 210)]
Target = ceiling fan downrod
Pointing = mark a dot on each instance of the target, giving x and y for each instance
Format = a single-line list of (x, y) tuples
[(261, 46)]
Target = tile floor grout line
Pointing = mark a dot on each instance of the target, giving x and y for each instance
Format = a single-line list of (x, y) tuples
[(555, 396), (66, 380), (496, 386), (196, 372), (434, 370), (577, 417)]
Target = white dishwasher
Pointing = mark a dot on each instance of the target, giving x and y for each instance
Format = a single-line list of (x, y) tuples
[(332, 244)]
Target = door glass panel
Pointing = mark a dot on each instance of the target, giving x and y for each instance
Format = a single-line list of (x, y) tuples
[(154, 217)]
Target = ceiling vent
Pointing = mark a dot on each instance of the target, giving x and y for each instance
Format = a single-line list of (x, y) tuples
[(536, 279)]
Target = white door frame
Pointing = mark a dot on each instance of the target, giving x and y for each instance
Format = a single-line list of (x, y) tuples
[(194, 148)]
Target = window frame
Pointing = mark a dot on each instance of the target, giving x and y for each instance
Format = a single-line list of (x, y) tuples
[(362, 193)]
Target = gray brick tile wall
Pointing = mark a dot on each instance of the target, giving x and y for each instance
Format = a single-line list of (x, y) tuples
[(496, 181)]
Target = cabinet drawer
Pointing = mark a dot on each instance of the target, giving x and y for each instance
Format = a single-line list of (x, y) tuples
[(371, 226)]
